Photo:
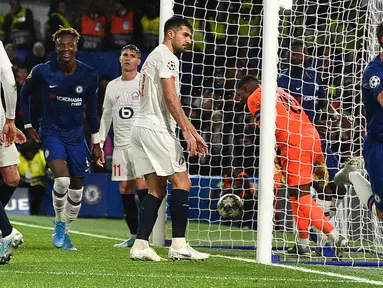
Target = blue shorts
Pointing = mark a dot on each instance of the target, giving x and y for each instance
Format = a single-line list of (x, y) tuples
[(373, 158), (77, 156), (332, 162)]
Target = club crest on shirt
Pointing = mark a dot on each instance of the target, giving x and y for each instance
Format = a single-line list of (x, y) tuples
[(79, 89), (171, 65), (374, 82), (135, 95)]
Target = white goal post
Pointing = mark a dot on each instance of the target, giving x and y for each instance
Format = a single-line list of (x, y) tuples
[(238, 37)]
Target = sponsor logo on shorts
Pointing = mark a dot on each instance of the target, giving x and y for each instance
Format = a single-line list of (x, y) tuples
[(182, 160), (46, 153), (377, 198), (92, 194)]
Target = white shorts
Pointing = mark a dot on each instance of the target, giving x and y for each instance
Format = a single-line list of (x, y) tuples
[(157, 152), (122, 164), (9, 156)]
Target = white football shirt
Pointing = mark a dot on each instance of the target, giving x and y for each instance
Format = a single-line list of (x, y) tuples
[(122, 106), (154, 113), (5, 64)]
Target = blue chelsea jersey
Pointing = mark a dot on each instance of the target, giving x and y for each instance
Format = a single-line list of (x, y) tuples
[(64, 100), (371, 87), (307, 89)]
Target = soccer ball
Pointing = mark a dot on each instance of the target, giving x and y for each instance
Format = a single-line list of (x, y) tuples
[(230, 206)]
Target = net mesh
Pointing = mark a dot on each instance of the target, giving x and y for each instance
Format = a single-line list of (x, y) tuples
[(227, 44)]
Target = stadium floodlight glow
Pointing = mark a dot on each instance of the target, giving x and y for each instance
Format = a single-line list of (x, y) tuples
[(286, 4)]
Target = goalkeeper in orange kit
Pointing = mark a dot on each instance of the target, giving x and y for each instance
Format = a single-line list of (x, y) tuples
[(300, 150)]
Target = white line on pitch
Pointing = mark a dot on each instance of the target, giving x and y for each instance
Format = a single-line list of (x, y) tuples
[(276, 279), (306, 270), (71, 231)]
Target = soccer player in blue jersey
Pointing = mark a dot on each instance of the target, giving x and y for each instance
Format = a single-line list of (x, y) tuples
[(68, 88), (307, 87), (370, 194)]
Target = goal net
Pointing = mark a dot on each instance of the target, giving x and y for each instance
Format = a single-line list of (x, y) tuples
[(227, 44)]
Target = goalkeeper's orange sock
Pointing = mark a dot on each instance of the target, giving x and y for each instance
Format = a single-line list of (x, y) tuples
[(301, 221), (313, 212)]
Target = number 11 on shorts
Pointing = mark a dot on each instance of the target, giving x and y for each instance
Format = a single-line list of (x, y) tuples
[(116, 170)]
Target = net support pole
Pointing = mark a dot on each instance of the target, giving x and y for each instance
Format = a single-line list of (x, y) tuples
[(267, 136), (159, 229)]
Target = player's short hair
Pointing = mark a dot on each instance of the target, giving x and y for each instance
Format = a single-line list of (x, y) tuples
[(296, 44), (68, 31), (379, 33), (133, 48), (176, 22), (246, 80)]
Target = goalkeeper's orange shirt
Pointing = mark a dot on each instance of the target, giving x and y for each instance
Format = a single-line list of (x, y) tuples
[(292, 123), (296, 137)]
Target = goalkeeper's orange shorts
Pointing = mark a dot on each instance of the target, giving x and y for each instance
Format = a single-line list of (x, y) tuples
[(298, 161)]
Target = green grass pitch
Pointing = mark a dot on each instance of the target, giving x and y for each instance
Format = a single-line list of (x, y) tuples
[(98, 264)]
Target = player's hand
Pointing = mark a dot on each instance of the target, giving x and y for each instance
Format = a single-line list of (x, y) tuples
[(191, 142), (34, 135), (202, 149), (96, 153), (9, 132), (380, 98), (20, 137), (100, 162)]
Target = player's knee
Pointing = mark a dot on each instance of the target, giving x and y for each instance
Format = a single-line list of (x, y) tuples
[(127, 187), (75, 195), (61, 184), (184, 184)]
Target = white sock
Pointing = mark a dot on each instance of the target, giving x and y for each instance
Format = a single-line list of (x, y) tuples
[(140, 244), (321, 238), (58, 205), (303, 242), (324, 204), (179, 243), (362, 188), (59, 196), (72, 206)]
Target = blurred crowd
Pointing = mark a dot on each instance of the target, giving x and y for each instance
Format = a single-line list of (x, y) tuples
[(227, 45)]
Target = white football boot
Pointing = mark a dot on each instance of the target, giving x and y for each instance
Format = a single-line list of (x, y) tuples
[(15, 238), (146, 254), (186, 253)]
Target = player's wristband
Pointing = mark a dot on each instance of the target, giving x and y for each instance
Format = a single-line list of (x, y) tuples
[(96, 138), (26, 126)]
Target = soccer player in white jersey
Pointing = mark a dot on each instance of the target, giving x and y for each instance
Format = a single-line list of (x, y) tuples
[(8, 155), (121, 106), (158, 154)]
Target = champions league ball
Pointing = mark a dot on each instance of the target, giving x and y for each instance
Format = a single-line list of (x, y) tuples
[(230, 206)]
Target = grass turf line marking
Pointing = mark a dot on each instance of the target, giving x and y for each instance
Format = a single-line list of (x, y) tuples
[(71, 231), (275, 279), (306, 270)]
